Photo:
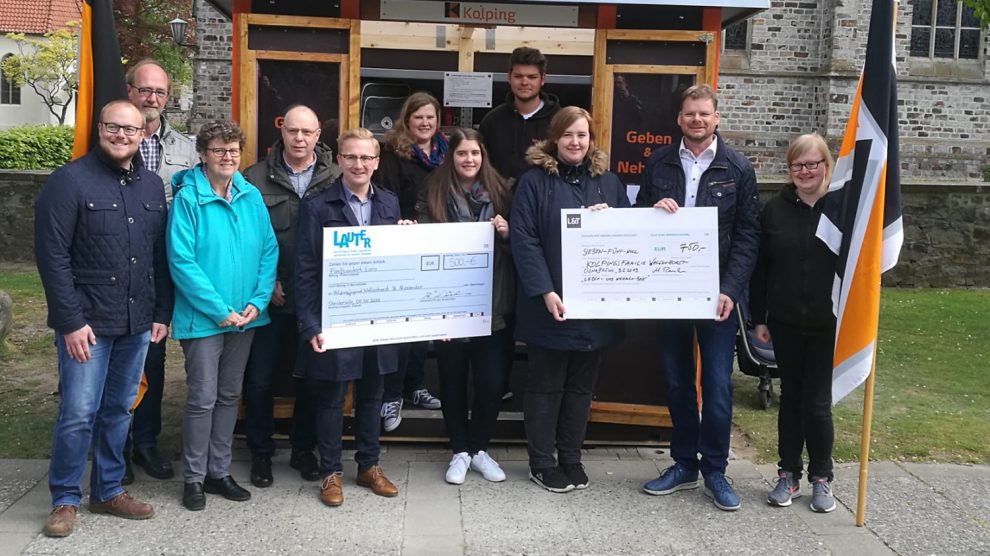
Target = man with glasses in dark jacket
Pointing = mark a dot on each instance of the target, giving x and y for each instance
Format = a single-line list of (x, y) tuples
[(297, 166), (99, 228)]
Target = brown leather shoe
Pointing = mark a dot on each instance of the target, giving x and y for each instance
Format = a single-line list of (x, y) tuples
[(331, 492), (60, 522), (123, 505), (374, 478)]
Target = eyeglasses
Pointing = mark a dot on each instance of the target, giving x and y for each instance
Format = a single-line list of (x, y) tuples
[(148, 91), (353, 158), (297, 130), (112, 128), (220, 152), (806, 165)]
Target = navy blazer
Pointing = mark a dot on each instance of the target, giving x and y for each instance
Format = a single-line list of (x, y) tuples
[(99, 240), (329, 209)]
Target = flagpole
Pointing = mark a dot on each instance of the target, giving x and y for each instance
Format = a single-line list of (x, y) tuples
[(864, 443)]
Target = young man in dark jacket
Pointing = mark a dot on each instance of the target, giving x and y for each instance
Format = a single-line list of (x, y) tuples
[(702, 171), (298, 166), (100, 249), (523, 119), (352, 200)]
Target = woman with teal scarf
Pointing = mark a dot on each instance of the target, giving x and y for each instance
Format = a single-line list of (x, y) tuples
[(222, 255)]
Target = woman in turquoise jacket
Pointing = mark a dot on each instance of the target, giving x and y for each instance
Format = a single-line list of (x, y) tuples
[(222, 256)]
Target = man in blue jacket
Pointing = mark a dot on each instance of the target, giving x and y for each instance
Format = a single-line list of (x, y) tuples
[(100, 249), (352, 200), (702, 171)]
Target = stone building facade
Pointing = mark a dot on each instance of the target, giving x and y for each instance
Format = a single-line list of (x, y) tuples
[(794, 72), (798, 69)]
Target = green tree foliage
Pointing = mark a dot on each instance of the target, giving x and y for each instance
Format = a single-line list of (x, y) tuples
[(981, 9), (48, 66), (35, 147), (143, 32)]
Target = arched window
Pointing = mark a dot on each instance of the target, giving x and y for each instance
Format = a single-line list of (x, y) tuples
[(9, 92)]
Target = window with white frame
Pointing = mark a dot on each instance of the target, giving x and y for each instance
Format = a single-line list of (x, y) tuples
[(945, 30), (10, 93), (736, 36)]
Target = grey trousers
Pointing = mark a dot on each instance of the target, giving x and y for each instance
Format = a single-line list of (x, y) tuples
[(214, 374)]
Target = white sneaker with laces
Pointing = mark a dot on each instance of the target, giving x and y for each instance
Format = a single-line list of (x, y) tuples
[(458, 468), (489, 468), (391, 415)]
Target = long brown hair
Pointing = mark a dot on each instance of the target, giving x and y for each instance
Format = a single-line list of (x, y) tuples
[(442, 181), (399, 137)]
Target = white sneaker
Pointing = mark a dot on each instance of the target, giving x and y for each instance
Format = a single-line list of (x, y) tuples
[(489, 469), (391, 415), (458, 468)]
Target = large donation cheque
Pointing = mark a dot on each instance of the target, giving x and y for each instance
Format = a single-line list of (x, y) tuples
[(394, 284), (640, 263)]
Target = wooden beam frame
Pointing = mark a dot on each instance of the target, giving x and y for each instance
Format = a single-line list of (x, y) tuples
[(247, 70)]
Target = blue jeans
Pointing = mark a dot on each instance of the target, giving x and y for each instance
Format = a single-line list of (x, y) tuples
[(94, 411), (146, 422), (707, 433), (329, 400), (273, 344)]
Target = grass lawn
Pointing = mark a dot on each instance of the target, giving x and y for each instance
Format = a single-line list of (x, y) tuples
[(932, 392)]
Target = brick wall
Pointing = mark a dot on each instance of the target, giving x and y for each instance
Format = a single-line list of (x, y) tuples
[(801, 73), (211, 66)]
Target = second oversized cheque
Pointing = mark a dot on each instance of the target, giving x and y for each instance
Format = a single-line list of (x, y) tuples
[(394, 284), (640, 263)]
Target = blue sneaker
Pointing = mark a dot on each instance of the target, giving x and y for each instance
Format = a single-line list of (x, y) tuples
[(717, 488), (674, 478)]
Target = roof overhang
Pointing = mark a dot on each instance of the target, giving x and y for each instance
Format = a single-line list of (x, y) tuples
[(732, 10)]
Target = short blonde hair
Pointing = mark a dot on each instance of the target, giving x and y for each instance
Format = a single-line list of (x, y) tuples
[(812, 142), (361, 134)]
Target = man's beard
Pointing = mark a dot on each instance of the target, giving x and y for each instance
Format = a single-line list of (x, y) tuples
[(151, 114)]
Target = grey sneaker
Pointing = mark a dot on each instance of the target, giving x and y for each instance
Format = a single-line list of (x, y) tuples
[(423, 398), (391, 415), (822, 500), (786, 490)]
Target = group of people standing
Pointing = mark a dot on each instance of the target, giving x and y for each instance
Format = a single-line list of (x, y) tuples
[(127, 245)]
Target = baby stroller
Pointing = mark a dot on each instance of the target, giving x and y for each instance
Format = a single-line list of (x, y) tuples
[(755, 357)]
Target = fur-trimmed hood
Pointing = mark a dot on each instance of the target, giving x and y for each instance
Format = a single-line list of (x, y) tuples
[(538, 156)]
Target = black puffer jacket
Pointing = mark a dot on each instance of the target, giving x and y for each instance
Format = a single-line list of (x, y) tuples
[(402, 176), (508, 135), (534, 236), (793, 279), (282, 202)]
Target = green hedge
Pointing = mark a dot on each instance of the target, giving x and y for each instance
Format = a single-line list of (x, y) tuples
[(35, 147)]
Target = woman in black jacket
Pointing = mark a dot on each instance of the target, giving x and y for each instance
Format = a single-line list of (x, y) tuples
[(411, 150), (564, 355), (466, 188), (791, 302)]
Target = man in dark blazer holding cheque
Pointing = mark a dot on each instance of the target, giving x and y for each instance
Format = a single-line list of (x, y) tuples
[(351, 201)]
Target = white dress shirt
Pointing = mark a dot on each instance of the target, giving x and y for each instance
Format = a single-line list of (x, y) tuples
[(693, 168)]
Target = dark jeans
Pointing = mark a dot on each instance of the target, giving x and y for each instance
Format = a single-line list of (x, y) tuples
[(273, 344), (329, 398), (804, 358), (508, 339), (409, 377), (557, 403), (147, 420), (707, 434), (484, 357)]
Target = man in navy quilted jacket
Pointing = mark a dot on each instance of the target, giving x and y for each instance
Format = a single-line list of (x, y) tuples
[(100, 249)]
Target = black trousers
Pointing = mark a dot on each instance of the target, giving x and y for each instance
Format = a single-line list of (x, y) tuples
[(483, 358), (557, 403), (146, 422), (804, 357)]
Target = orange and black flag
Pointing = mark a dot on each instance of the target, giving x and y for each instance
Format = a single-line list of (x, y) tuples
[(101, 74), (862, 222)]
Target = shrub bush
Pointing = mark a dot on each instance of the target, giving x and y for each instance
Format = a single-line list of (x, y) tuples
[(35, 147)]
